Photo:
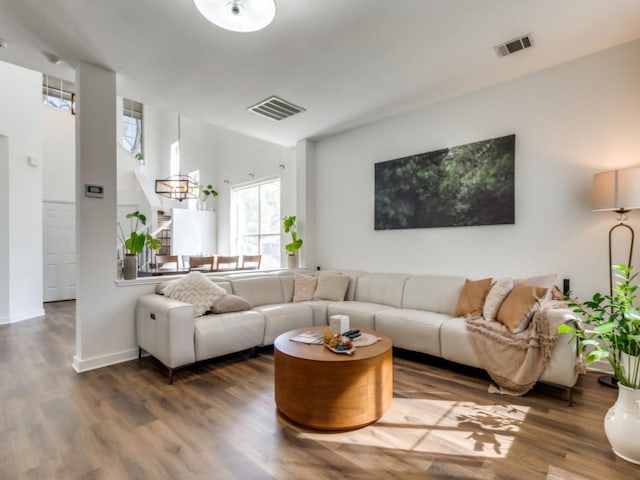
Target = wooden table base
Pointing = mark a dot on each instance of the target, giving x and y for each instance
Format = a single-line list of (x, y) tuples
[(327, 391)]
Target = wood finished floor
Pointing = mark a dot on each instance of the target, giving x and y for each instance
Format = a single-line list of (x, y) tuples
[(218, 421)]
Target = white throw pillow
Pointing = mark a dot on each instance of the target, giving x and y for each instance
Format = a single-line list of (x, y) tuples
[(495, 297), (303, 287), (197, 290), (331, 286)]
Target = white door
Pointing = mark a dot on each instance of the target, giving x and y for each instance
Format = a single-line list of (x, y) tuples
[(59, 251)]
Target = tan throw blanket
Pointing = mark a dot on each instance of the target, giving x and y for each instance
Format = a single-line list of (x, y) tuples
[(514, 361)]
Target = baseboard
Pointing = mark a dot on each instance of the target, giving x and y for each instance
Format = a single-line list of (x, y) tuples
[(38, 312), (84, 365)]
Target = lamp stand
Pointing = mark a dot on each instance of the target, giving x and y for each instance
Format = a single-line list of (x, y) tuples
[(611, 380)]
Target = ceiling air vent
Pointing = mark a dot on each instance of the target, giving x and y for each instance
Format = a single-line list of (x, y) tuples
[(275, 108), (513, 46)]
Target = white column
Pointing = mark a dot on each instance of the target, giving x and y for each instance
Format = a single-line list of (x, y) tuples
[(306, 201), (96, 329)]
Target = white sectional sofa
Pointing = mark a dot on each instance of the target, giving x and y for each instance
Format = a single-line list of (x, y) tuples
[(416, 311)]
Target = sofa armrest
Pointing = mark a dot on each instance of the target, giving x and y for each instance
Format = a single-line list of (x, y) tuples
[(562, 367), (165, 328)]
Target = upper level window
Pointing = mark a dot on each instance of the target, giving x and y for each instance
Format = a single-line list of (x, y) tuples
[(57, 92), (132, 126)]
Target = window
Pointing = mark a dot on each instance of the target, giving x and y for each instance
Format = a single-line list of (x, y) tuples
[(132, 126), (255, 221), (58, 93)]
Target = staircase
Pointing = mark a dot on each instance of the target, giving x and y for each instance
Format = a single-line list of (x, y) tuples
[(164, 233)]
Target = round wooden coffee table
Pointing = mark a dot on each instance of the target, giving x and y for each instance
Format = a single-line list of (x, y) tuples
[(318, 388)]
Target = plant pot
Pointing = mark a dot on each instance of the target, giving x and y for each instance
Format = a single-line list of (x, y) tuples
[(622, 424), (292, 260), (130, 271), (631, 368)]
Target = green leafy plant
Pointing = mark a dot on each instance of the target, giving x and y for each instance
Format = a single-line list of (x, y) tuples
[(289, 224), (610, 325), (208, 190), (135, 242)]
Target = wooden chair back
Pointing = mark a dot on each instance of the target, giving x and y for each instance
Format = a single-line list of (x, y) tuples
[(162, 260), (251, 262), (201, 264), (227, 262)]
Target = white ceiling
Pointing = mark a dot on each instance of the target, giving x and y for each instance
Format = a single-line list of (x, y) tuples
[(347, 62)]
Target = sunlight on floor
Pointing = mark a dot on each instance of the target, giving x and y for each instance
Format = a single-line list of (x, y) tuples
[(438, 427)]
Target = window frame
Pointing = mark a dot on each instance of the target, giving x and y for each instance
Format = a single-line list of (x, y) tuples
[(236, 237)]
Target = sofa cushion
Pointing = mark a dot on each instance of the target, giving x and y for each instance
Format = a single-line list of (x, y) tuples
[(331, 286), (433, 293), (284, 317), (217, 335), (195, 289), (472, 297), (381, 288), (498, 292), (259, 290), (455, 344), (230, 303), (303, 287), (319, 309), (361, 314), (416, 330), (521, 304)]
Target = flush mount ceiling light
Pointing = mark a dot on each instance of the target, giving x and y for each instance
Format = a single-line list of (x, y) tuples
[(238, 15)]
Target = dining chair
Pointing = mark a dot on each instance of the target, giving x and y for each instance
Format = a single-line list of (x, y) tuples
[(227, 262), (162, 260), (251, 262), (201, 263)]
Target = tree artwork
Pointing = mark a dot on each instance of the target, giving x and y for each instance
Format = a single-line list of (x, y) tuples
[(466, 185)]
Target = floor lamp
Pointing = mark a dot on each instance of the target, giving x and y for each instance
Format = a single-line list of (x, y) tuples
[(617, 191)]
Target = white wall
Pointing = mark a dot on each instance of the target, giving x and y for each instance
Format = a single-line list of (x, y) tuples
[(58, 155), (21, 124), (570, 121)]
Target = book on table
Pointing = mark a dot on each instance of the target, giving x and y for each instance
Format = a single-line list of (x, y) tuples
[(311, 338)]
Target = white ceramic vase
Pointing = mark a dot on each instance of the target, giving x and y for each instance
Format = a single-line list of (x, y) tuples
[(622, 424), (631, 368), (292, 260)]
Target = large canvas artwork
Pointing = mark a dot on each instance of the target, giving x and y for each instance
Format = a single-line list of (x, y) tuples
[(469, 184)]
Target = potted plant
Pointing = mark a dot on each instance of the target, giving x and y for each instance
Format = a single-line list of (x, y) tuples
[(134, 244), (609, 328), (289, 224), (207, 192)]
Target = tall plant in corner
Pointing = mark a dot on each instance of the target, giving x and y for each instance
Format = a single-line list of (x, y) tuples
[(610, 327), (289, 224)]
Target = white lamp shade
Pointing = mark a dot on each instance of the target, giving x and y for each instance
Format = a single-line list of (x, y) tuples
[(238, 15), (616, 190)]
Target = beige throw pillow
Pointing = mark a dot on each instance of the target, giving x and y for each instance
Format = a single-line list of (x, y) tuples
[(472, 297), (521, 304), (331, 286), (230, 303), (303, 287), (196, 289), (496, 295)]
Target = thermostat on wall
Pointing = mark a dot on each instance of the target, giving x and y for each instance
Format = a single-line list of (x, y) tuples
[(95, 191)]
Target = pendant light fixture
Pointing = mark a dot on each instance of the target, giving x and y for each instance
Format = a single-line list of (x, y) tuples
[(178, 187), (238, 15)]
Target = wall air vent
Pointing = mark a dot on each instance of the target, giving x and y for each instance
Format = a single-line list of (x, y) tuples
[(513, 46), (275, 108)]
